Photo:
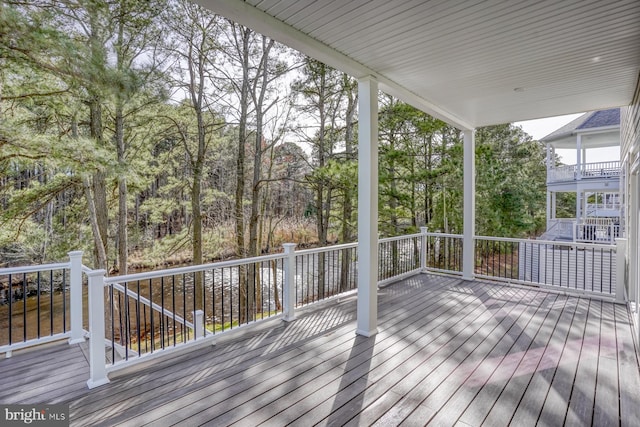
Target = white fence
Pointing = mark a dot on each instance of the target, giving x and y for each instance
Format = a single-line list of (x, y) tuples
[(586, 170), (139, 316), (40, 304)]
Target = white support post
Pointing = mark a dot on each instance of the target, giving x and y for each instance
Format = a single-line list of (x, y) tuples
[(469, 206), (621, 262), (549, 159), (579, 195), (289, 285), (198, 324), (97, 360), (75, 299), (367, 307), (549, 218), (578, 158), (423, 248)]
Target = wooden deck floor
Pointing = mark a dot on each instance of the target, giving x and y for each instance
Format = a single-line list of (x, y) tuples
[(448, 352)]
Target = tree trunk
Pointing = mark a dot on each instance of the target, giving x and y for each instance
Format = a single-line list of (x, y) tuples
[(123, 240), (95, 227), (347, 204), (99, 185), (240, 171)]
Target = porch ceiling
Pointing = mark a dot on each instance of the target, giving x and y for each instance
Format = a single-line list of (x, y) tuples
[(469, 62)]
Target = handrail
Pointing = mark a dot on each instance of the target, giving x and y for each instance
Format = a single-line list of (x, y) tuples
[(34, 268), (397, 238), (190, 269), (327, 248), (443, 235), (544, 242)]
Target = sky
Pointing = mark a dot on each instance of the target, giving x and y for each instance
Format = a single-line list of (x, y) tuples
[(540, 128)]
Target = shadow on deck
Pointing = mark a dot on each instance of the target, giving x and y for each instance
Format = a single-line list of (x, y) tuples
[(447, 352)]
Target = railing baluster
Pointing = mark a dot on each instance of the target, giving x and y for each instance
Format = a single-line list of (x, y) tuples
[(151, 322), (51, 310), (113, 330), (24, 306), (137, 304), (10, 297), (38, 291), (162, 318)]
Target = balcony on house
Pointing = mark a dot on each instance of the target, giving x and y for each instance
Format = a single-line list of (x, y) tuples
[(463, 329), (446, 349), (595, 184)]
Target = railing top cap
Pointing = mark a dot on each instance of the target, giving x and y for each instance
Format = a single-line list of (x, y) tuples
[(93, 273)]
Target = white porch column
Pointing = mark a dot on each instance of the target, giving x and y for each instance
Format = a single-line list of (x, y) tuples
[(579, 157), (549, 218), (469, 205), (367, 207)]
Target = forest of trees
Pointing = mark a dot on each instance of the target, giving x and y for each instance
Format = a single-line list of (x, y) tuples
[(147, 133)]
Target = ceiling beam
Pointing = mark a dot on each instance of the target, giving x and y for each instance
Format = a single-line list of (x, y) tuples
[(249, 16)]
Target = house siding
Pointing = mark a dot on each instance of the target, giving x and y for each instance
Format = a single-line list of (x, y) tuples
[(630, 123), (630, 191)]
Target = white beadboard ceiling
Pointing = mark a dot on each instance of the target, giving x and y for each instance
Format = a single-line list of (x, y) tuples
[(469, 62)]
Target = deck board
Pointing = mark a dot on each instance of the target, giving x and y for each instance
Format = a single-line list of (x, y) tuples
[(555, 404), (411, 351), (480, 374), (605, 411), (581, 402), (432, 367), (448, 352), (628, 369), (326, 355), (533, 361), (449, 389)]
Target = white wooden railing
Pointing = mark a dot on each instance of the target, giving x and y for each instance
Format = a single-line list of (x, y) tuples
[(235, 294), (561, 173), (560, 228), (36, 314), (586, 170), (587, 268), (141, 316), (600, 169)]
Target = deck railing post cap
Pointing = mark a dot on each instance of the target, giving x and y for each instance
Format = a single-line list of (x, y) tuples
[(94, 273), (289, 246), (73, 254)]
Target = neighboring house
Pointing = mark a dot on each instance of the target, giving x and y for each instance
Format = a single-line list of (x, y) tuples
[(596, 184)]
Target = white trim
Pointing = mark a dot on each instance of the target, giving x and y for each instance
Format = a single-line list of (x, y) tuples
[(601, 129)]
